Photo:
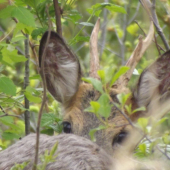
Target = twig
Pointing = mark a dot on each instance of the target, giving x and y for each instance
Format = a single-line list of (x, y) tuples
[(44, 97), (157, 147), (150, 8), (146, 35), (134, 16), (6, 114), (103, 29), (58, 17), (26, 83)]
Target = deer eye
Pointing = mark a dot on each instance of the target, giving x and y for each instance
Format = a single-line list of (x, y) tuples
[(120, 138), (66, 127)]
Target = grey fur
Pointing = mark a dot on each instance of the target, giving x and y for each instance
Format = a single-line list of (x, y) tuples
[(74, 153)]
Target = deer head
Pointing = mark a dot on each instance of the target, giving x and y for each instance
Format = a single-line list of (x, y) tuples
[(63, 78)]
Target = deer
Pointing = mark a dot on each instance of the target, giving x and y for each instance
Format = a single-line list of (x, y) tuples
[(62, 73)]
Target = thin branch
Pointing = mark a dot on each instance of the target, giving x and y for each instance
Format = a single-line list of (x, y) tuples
[(6, 114), (44, 96), (134, 16), (154, 40), (26, 83), (103, 30), (58, 17), (150, 8)]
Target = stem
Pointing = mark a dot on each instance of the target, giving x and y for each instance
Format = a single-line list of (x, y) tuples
[(26, 83)]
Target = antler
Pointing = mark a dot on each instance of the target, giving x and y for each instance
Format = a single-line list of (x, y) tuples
[(135, 57), (94, 58)]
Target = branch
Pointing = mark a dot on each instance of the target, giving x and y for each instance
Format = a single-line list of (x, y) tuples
[(103, 29), (94, 58), (150, 8), (6, 114), (44, 96), (26, 83), (58, 17)]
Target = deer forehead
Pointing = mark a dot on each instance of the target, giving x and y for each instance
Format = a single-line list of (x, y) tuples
[(80, 119)]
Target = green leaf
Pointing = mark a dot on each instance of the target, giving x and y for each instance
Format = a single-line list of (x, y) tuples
[(7, 86), (32, 3), (34, 77), (143, 122), (143, 148), (105, 106), (10, 136), (98, 7), (20, 26), (47, 119), (32, 98), (38, 32), (95, 106), (139, 109), (121, 71), (116, 8), (123, 98), (96, 83), (132, 29), (6, 12), (129, 109), (11, 57), (23, 15), (86, 24), (101, 74), (82, 38), (93, 131), (18, 38)]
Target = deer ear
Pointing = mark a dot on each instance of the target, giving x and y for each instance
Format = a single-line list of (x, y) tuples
[(155, 80), (61, 67)]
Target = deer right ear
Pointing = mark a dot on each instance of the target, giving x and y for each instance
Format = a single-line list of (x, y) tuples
[(61, 67), (154, 81)]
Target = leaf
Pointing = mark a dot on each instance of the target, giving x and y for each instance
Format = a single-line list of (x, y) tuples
[(20, 26), (105, 106), (18, 38), (32, 98), (37, 32), (143, 122), (11, 57), (93, 131), (6, 12), (47, 119), (116, 8), (82, 38), (10, 136), (132, 29), (32, 3), (95, 106), (23, 15), (142, 147), (86, 24), (98, 7), (34, 77), (123, 98), (7, 86), (96, 83), (101, 74), (121, 71), (139, 109)]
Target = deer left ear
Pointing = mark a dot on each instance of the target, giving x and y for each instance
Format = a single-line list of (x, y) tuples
[(61, 67), (155, 80)]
